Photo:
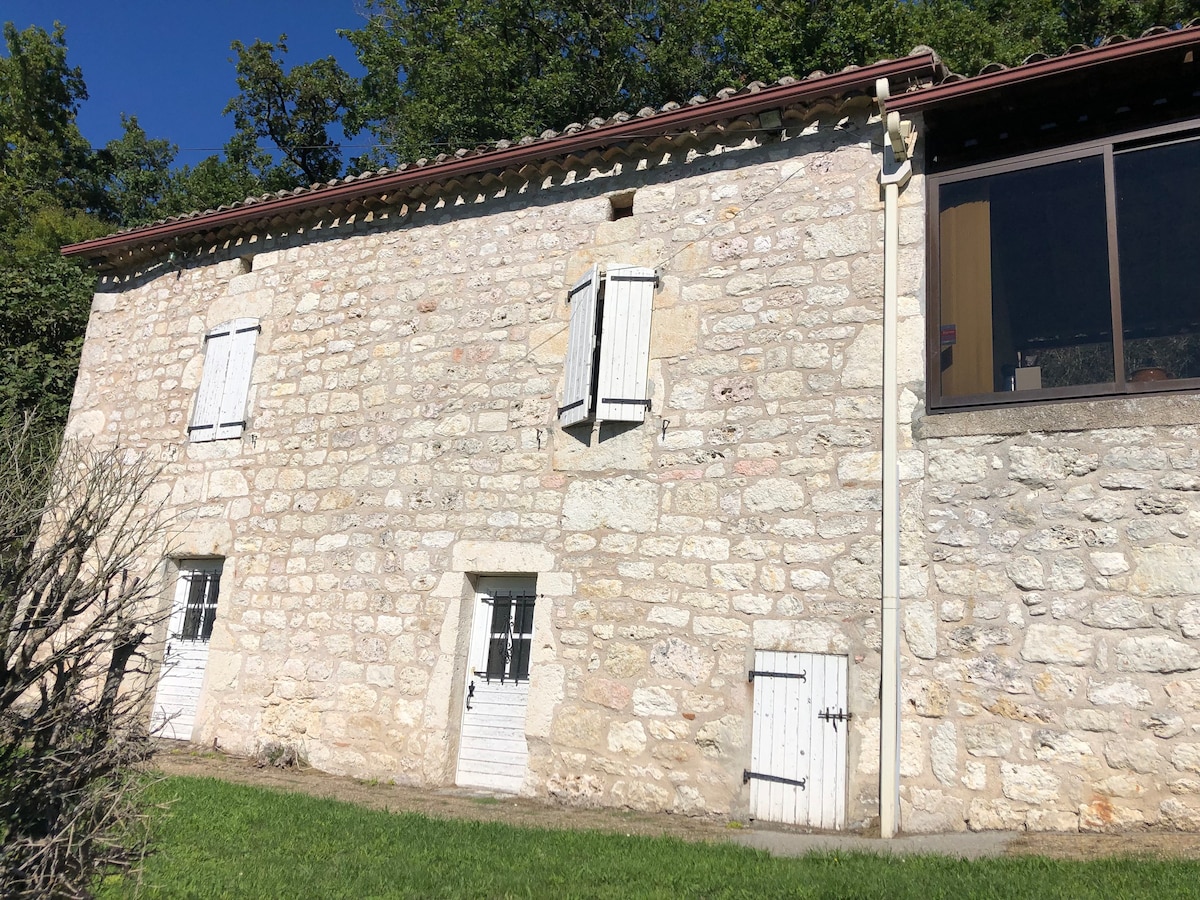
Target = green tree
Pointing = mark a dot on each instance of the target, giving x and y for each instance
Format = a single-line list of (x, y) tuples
[(293, 109), (44, 160)]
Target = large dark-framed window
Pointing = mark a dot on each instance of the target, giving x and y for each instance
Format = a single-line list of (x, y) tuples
[(1068, 273)]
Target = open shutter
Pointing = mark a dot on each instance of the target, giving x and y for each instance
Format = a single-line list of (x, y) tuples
[(577, 398), (232, 418), (221, 401), (212, 384), (622, 392)]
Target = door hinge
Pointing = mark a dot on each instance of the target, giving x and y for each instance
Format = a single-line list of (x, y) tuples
[(776, 779), (803, 676)]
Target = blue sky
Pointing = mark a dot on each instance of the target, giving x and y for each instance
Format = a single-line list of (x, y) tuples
[(168, 62)]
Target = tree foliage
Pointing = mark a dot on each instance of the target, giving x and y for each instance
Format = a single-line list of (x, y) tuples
[(293, 109), (443, 74), (74, 632)]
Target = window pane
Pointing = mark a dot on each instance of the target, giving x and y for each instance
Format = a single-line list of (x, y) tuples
[(1025, 300), (1158, 229)]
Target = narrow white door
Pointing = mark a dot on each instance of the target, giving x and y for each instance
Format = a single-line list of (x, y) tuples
[(492, 752), (193, 612), (797, 771)]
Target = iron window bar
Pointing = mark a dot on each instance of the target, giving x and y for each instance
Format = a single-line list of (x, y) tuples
[(502, 643)]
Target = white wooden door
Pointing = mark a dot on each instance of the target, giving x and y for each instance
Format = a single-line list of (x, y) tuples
[(797, 771), (193, 612), (492, 751)]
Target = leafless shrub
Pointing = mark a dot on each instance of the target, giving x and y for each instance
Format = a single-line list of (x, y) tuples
[(75, 625)]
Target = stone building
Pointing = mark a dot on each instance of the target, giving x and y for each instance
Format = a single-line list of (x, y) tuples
[(823, 452)]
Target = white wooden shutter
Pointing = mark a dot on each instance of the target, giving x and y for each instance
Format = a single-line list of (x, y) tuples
[(232, 418), (576, 403), (622, 393), (221, 401), (212, 384)]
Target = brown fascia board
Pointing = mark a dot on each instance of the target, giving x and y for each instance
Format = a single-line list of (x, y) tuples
[(917, 66), (970, 89)]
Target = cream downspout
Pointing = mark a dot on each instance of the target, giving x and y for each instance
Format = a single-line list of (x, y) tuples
[(896, 171)]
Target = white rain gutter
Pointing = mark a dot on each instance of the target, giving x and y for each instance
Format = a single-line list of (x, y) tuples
[(895, 173)]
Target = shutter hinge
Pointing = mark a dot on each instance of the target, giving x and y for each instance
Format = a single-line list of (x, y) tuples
[(625, 401), (568, 407), (803, 676)]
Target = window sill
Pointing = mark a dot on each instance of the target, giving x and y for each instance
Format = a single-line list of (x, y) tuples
[(1074, 415)]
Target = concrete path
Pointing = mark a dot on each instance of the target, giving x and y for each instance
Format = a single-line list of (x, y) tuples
[(966, 845)]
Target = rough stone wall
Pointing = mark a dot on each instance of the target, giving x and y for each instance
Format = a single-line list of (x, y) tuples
[(1051, 682), (402, 415)]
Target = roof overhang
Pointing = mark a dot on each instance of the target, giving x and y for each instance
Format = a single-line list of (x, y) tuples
[(1095, 66), (349, 193)]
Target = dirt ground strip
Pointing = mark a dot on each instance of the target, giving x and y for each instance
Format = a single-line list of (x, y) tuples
[(458, 803)]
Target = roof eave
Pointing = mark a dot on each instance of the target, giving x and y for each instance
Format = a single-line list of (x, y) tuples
[(971, 89), (918, 66)]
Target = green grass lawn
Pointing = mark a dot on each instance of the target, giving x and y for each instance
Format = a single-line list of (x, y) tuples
[(224, 840)]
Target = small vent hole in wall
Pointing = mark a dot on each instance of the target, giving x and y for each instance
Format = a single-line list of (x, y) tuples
[(621, 206), (247, 263)]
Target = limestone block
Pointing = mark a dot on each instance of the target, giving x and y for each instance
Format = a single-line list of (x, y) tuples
[(1064, 748), (576, 789), (625, 660), (943, 753), (1120, 613), (931, 812), (920, 629), (1156, 653), (1028, 784), (997, 672), (958, 466), (1049, 466), (969, 581), (1058, 644), (987, 739), (1026, 573), (621, 504), (994, 815), (1102, 815), (1117, 693), (496, 557), (928, 698), (576, 727), (773, 495), (722, 738), (1142, 756), (802, 636), (1051, 820), (607, 693), (654, 701), (1163, 725), (1179, 815), (675, 658), (627, 738), (1066, 574), (1184, 694), (1162, 570), (1056, 685), (863, 367)]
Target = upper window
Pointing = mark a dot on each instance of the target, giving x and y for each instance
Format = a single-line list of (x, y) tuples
[(220, 410), (1070, 273), (608, 347)]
